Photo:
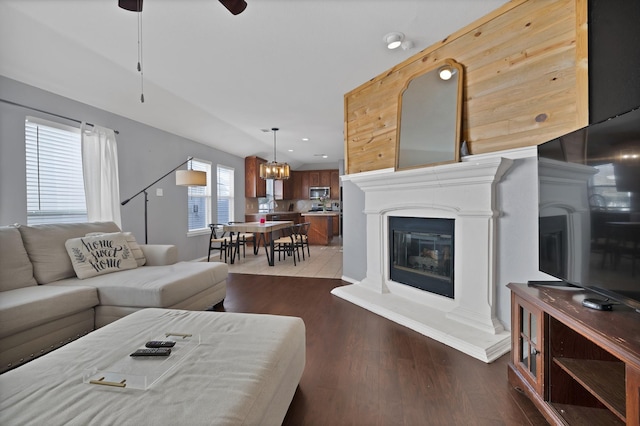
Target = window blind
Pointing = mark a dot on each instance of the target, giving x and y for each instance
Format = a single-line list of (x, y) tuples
[(225, 194), (55, 187), (200, 199)]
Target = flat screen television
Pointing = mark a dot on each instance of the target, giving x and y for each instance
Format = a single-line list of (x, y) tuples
[(589, 208)]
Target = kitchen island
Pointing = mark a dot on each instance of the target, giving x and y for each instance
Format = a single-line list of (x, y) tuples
[(321, 229)]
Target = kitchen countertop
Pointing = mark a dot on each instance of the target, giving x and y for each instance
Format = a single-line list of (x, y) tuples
[(320, 214), (272, 213)]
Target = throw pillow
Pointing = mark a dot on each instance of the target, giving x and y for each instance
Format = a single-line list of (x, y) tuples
[(45, 246), (99, 254), (138, 254)]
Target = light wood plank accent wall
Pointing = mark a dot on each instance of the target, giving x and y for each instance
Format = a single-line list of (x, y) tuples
[(526, 82)]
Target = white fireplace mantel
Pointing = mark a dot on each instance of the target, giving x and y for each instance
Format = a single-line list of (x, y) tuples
[(465, 192)]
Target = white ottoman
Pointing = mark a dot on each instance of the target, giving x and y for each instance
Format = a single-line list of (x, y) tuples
[(244, 372)]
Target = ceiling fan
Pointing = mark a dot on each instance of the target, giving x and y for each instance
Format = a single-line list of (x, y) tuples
[(234, 6)]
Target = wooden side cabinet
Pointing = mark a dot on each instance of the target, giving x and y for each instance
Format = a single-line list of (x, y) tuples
[(633, 395), (578, 366)]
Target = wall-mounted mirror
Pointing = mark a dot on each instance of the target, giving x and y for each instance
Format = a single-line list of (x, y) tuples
[(429, 117)]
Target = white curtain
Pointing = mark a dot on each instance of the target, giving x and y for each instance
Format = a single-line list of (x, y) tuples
[(100, 170)]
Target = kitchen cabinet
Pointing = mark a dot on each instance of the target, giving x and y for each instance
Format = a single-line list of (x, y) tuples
[(301, 185), (325, 178), (314, 178), (283, 189), (254, 185), (321, 229), (296, 178), (334, 184), (304, 179)]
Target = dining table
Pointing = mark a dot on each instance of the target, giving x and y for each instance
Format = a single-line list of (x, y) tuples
[(262, 229)]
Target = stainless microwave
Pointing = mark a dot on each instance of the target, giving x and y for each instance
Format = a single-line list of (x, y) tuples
[(316, 192)]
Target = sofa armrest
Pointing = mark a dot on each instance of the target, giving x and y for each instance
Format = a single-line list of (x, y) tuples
[(159, 254)]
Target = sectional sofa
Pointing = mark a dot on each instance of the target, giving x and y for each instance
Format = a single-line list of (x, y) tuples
[(43, 303)]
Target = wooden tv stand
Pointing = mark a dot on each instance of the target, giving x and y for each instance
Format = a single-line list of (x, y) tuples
[(577, 365)]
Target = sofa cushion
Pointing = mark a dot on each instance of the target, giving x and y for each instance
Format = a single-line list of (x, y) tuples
[(16, 270), (159, 254), (45, 247), (154, 286), (28, 307), (100, 254), (138, 254)]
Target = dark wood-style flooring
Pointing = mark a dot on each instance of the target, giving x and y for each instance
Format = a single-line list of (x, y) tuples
[(363, 369)]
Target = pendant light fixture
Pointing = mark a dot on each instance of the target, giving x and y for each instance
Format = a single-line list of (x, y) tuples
[(273, 169)]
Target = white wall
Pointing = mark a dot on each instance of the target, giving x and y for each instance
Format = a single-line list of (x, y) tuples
[(144, 154), (517, 198), (354, 233), (517, 230)]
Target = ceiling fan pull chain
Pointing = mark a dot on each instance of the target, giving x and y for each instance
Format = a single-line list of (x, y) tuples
[(140, 59)]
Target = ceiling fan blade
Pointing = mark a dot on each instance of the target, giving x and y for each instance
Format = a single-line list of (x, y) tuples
[(234, 6), (132, 5)]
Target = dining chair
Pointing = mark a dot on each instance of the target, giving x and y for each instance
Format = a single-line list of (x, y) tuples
[(241, 240), (219, 241), (303, 238), (285, 244)]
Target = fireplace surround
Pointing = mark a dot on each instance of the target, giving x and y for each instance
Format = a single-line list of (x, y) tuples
[(465, 193)]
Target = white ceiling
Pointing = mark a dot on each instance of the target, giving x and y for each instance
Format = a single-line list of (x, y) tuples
[(219, 79)]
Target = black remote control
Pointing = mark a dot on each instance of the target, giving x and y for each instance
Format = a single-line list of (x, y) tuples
[(600, 305), (152, 352), (160, 344)]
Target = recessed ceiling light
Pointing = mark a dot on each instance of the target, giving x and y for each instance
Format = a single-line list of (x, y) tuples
[(290, 150), (305, 139), (393, 40)]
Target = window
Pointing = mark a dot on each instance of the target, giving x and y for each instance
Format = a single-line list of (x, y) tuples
[(55, 187), (604, 193), (199, 203), (225, 194)]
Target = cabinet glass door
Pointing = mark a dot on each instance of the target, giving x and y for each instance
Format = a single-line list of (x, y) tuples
[(529, 340), (529, 348)]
